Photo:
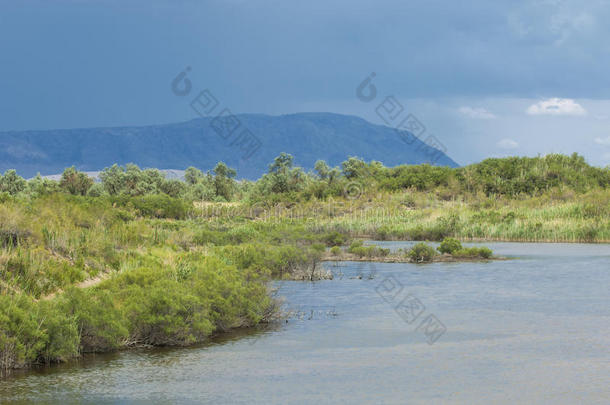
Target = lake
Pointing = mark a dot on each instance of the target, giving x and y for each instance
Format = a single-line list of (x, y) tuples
[(533, 329)]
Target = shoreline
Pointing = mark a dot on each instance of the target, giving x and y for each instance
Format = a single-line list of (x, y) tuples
[(371, 238), (349, 257)]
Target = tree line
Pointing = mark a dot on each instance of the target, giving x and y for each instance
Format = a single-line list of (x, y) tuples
[(284, 181)]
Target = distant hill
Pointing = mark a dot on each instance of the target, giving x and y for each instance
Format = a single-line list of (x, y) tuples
[(204, 142)]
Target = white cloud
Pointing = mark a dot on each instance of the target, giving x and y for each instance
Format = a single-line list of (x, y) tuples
[(508, 144), (476, 113), (603, 141), (556, 106)]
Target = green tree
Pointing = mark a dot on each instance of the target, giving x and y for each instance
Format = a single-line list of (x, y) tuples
[(192, 175), (75, 182), (39, 186), (224, 182), (113, 179), (283, 176), (327, 173), (173, 188), (282, 164), (354, 168), (12, 183)]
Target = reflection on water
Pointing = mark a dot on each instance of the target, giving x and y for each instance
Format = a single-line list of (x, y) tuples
[(534, 329)]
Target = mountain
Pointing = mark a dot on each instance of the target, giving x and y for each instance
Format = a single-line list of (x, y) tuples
[(203, 142)]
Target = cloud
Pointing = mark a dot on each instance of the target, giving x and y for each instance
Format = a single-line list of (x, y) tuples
[(556, 106), (603, 141), (508, 144), (476, 113)]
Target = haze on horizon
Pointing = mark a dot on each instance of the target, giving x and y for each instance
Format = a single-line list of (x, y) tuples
[(487, 79)]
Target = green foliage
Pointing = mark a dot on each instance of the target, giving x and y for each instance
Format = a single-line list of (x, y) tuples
[(421, 253), (357, 248), (155, 206), (132, 181), (354, 245), (96, 190), (450, 246), (192, 176), (354, 168), (335, 238), (12, 183), (174, 275), (472, 252), (75, 182), (98, 317), (224, 183), (39, 186), (34, 332)]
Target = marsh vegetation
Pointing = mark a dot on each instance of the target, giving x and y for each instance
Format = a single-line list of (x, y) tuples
[(138, 260)]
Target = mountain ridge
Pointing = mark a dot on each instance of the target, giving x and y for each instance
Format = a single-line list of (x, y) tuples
[(202, 142)]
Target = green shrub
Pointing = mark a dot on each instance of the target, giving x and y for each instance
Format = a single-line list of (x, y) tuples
[(383, 233), (383, 251), (99, 319), (354, 245), (34, 332), (335, 250), (449, 245), (156, 206), (359, 251), (334, 239), (485, 252), (472, 252), (205, 236), (421, 252)]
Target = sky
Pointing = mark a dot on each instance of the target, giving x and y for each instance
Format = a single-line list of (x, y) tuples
[(486, 78)]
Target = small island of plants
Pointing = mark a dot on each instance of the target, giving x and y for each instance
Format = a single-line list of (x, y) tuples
[(450, 249)]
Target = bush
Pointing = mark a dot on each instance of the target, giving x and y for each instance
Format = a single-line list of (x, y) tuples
[(383, 233), (359, 251), (471, 252), (335, 250), (34, 333), (421, 252), (156, 206), (354, 245), (334, 239), (383, 251), (100, 322), (449, 245), (369, 251)]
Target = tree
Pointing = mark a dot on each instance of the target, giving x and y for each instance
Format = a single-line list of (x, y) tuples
[(173, 187), (12, 183), (192, 175), (42, 186), (131, 180), (322, 168), (224, 183), (282, 164), (113, 179), (354, 167), (325, 172), (75, 182), (283, 176)]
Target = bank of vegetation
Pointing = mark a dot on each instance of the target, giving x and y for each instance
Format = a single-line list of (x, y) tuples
[(137, 259), (449, 250)]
